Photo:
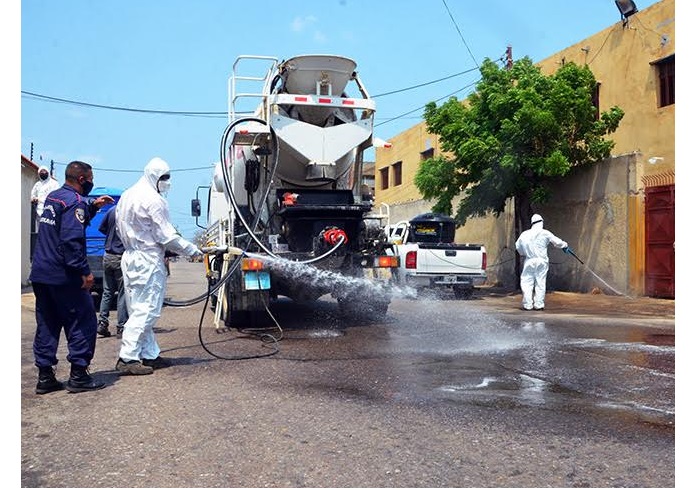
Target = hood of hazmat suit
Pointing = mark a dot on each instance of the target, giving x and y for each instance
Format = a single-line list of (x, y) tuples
[(42, 188), (533, 243), (142, 216)]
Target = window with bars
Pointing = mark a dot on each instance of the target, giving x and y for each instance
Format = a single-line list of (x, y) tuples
[(396, 173), (384, 178)]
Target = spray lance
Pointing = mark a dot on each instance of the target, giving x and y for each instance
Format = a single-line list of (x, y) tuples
[(569, 250), (213, 250), (222, 249)]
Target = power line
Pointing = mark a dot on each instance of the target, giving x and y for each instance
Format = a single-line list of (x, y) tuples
[(423, 107), (140, 171), (49, 98), (60, 100), (426, 83), (460, 32)]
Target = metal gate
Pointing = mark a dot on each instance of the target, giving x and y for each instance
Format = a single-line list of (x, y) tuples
[(659, 241)]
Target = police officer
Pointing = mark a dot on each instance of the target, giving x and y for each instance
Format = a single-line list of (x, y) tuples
[(61, 280)]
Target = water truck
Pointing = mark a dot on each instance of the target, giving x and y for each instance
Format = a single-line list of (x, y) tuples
[(287, 214)]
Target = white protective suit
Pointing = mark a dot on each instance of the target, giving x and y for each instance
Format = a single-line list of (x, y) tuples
[(142, 221), (42, 188), (533, 244)]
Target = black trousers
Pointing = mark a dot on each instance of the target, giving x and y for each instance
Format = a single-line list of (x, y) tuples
[(67, 308)]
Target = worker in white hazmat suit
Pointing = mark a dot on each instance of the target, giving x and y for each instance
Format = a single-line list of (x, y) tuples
[(532, 245), (142, 221), (41, 189)]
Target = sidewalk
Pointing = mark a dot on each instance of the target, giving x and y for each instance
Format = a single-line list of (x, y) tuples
[(585, 304)]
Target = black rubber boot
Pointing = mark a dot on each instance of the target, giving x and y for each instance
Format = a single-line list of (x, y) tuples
[(80, 380), (47, 381)]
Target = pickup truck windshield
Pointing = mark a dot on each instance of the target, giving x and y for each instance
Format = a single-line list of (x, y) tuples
[(432, 232)]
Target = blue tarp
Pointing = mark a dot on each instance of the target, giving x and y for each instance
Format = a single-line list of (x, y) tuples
[(95, 238)]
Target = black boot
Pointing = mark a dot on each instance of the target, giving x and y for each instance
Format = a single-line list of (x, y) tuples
[(47, 381), (80, 380)]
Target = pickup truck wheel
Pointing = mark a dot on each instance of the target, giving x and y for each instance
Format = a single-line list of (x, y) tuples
[(463, 292)]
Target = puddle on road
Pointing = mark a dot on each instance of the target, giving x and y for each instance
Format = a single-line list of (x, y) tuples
[(480, 359)]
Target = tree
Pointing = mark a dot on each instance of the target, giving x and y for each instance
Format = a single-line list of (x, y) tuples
[(199, 239), (517, 134)]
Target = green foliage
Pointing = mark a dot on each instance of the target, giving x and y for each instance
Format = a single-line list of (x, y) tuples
[(518, 132)]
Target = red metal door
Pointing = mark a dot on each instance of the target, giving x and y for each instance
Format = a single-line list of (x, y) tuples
[(659, 241)]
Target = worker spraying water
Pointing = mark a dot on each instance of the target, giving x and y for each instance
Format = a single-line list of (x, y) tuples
[(532, 244)]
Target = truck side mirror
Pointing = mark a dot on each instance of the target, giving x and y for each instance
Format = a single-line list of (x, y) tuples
[(195, 207)]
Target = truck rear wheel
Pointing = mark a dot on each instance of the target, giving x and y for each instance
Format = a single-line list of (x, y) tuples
[(374, 309), (244, 319)]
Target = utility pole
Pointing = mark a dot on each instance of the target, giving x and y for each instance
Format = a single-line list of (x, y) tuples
[(508, 58), (52, 168), (31, 152)]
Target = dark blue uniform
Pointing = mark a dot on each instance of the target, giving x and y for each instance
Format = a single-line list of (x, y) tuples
[(60, 261)]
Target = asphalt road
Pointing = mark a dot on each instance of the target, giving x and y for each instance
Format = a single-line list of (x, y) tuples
[(443, 393)]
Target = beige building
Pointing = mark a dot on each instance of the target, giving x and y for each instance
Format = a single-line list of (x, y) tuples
[(29, 177), (618, 215)]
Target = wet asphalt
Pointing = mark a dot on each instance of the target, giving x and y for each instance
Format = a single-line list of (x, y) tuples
[(442, 393)]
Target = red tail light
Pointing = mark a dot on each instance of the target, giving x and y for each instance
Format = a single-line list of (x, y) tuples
[(483, 265), (411, 259)]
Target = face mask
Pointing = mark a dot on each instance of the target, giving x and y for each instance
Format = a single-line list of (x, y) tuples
[(164, 184), (86, 188), (43, 175)]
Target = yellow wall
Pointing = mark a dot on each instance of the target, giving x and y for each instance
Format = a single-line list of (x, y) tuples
[(620, 58)]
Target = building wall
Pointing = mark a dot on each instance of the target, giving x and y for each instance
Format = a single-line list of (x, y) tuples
[(28, 178), (599, 210)]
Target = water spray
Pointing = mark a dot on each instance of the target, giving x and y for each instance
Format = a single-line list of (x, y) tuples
[(569, 250)]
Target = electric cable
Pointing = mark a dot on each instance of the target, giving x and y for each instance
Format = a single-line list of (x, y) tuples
[(266, 338), (237, 261)]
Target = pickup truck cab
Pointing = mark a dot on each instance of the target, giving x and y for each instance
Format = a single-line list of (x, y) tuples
[(430, 260)]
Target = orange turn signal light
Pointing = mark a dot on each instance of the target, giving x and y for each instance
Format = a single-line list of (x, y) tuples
[(387, 261), (249, 264)]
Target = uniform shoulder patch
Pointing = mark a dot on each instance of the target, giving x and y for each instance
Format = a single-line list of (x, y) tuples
[(80, 215)]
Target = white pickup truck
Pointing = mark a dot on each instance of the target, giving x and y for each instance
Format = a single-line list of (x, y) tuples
[(430, 260)]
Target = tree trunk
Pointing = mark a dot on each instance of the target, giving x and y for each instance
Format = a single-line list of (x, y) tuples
[(523, 214)]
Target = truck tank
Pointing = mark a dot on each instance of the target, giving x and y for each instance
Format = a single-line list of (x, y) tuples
[(290, 170)]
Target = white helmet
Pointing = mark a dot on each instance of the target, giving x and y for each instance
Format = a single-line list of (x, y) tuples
[(536, 218)]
